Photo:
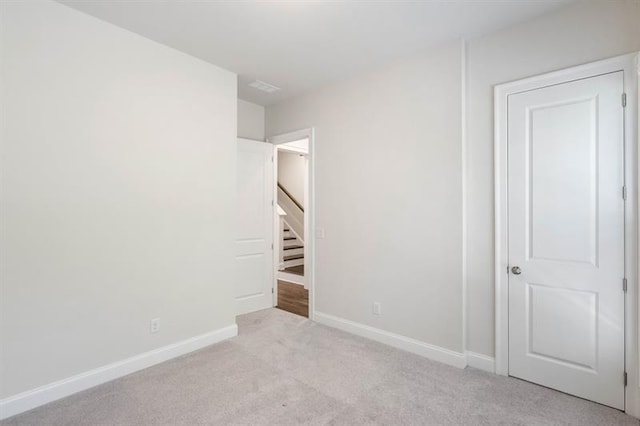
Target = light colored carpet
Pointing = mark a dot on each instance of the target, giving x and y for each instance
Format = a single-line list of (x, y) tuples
[(284, 369)]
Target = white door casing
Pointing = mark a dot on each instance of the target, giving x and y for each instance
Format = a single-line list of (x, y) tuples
[(309, 211), (254, 257), (566, 234)]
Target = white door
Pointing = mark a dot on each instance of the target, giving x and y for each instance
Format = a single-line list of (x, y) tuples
[(254, 258), (566, 237)]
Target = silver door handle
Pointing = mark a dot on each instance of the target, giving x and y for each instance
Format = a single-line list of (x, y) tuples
[(516, 270)]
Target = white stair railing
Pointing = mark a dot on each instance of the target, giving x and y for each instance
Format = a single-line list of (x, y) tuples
[(294, 214), (291, 216)]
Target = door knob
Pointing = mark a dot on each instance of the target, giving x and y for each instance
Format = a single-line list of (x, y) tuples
[(516, 270)]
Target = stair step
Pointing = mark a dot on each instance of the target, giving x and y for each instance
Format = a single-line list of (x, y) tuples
[(289, 238), (291, 243), (294, 257), (293, 247), (293, 251), (293, 262)]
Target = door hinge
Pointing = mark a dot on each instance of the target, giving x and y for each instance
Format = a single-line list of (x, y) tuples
[(624, 192), (624, 100), (626, 380), (272, 158), (271, 203), (272, 290), (271, 246), (624, 285)]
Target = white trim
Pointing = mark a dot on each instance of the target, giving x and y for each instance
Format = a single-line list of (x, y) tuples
[(292, 137), (277, 222), (294, 150), (309, 211), (310, 250), (48, 393), (633, 299), (250, 140), (435, 353), (463, 149), (500, 238), (481, 362), (627, 64), (290, 278)]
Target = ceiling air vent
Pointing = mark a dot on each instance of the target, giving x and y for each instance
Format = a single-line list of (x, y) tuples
[(265, 87)]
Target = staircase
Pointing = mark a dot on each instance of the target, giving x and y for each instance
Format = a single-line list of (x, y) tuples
[(291, 233), (292, 251)]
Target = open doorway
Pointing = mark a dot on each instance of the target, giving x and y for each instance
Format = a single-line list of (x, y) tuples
[(292, 230)]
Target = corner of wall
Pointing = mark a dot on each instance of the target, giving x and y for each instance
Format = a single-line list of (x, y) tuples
[(251, 120)]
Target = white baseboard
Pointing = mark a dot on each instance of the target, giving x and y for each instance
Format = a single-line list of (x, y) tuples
[(481, 362), (48, 393), (408, 344)]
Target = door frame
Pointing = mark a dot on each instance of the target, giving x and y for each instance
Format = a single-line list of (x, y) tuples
[(630, 66), (309, 213)]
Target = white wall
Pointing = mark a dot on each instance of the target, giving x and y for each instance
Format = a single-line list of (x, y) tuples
[(385, 149), (118, 183), (250, 120), (388, 194), (292, 170), (583, 32)]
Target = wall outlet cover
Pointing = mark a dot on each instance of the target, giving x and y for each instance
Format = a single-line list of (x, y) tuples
[(377, 308), (155, 325)]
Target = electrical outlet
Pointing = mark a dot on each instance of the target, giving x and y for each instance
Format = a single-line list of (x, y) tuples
[(377, 308), (155, 325)]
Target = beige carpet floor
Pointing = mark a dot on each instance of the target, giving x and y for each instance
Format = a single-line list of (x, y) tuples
[(286, 370)]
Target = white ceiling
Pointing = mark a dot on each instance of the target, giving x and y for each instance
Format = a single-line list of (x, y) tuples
[(302, 45)]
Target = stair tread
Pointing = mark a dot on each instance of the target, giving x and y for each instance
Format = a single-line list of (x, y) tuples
[(289, 238), (294, 257), (293, 247)]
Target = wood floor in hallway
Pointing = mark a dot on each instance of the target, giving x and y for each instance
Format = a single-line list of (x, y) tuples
[(293, 298)]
